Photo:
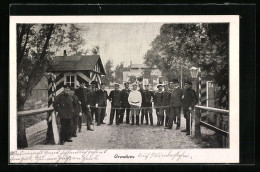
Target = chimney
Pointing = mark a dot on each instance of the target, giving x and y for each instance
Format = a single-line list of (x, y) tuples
[(64, 53)]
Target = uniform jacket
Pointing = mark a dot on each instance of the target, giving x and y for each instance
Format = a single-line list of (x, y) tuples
[(124, 97), (115, 97), (101, 98), (190, 98), (176, 97), (147, 98), (64, 104), (81, 94), (91, 98), (166, 98), (158, 99), (142, 94), (76, 106)]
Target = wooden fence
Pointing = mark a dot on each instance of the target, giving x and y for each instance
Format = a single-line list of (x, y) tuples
[(222, 127), (22, 139)]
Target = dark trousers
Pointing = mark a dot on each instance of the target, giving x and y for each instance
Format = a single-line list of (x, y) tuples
[(88, 117), (80, 122), (123, 110), (146, 111), (74, 125), (112, 114), (135, 110), (65, 130), (101, 111), (175, 113), (93, 112), (159, 113), (186, 113)]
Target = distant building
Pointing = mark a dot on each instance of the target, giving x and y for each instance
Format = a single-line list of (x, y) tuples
[(137, 70)]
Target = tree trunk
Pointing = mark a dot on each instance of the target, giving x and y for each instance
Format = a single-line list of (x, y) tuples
[(21, 133)]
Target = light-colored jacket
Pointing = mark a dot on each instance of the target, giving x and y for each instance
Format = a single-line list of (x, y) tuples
[(135, 98)]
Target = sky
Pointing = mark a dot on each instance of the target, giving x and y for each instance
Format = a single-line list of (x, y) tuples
[(121, 42)]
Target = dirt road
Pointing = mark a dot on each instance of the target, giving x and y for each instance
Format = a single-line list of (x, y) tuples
[(127, 136)]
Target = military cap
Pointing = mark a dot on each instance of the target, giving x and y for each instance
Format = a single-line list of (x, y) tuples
[(126, 83), (175, 81), (159, 85), (188, 82), (88, 84), (116, 84)]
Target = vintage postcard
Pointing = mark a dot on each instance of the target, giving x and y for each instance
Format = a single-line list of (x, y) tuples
[(124, 89)]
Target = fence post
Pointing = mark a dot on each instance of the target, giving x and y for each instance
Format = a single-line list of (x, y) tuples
[(21, 134), (197, 124)]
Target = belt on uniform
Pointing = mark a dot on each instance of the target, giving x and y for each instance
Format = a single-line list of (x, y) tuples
[(135, 102)]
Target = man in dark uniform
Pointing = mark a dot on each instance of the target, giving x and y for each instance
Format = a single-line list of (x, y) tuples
[(77, 113), (166, 103), (92, 100), (147, 105), (189, 101), (88, 110), (101, 103), (158, 103), (141, 90), (125, 104), (175, 103), (64, 105), (81, 94), (115, 99)]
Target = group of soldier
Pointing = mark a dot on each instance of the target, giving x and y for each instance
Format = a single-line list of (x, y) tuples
[(91, 102)]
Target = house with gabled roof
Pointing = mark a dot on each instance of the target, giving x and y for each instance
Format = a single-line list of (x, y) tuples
[(73, 70)]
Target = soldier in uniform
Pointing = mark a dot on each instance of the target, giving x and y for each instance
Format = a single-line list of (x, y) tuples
[(158, 103), (88, 110), (135, 101), (101, 103), (92, 100), (189, 101), (166, 103), (175, 103), (125, 105), (147, 105), (77, 113), (141, 90), (64, 105), (81, 94), (115, 99)]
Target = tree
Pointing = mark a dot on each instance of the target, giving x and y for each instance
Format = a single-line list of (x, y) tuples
[(119, 73), (75, 41), (37, 45), (186, 45), (109, 73), (95, 50), (132, 79)]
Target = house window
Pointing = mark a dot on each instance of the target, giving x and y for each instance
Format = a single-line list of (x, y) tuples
[(70, 79)]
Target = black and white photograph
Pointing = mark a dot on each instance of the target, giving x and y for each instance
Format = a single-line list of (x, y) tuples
[(129, 89)]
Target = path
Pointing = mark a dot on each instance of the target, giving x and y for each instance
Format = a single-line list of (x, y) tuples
[(127, 136)]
